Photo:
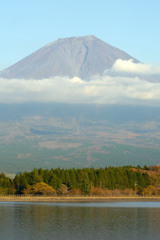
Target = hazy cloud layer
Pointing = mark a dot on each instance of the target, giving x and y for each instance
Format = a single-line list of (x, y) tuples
[(113, 88)]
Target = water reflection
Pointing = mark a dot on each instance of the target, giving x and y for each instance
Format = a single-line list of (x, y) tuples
[(79, 221)]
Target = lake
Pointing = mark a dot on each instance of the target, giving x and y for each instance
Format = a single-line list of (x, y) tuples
[(81, 221)]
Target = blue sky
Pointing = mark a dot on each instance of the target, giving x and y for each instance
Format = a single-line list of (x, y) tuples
[(132, 26)]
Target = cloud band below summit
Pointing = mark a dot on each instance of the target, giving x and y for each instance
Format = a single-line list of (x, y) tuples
[(108, 89)]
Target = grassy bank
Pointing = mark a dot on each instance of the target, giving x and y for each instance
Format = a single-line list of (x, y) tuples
[(75, 199)]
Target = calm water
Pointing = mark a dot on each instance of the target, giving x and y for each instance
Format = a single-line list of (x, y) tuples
[(82, 221)]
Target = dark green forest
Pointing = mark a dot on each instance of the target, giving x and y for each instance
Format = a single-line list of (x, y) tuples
[(86, 181)]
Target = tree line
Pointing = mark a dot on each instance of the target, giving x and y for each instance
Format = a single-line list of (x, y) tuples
[(78, 181)]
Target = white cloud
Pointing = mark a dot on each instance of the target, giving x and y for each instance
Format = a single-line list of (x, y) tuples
[(108, 89), (135, 68)]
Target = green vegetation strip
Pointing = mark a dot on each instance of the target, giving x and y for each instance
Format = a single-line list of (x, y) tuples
[(111, 182)]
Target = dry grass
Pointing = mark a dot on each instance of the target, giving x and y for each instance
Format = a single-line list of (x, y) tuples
[(74, 199)]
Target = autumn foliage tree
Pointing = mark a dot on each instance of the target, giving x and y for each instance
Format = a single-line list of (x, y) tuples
[(39, 189)]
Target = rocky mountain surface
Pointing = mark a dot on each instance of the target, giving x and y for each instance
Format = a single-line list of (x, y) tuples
[(76, 56)]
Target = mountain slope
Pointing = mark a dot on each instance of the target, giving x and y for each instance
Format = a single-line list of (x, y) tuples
[(76, 56)]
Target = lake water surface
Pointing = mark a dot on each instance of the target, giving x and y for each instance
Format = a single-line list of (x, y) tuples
[(81, 221)]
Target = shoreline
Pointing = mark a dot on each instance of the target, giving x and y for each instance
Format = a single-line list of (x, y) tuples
[(63, 199)]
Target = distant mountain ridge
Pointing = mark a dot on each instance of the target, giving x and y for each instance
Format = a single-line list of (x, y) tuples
[(76, 56)]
